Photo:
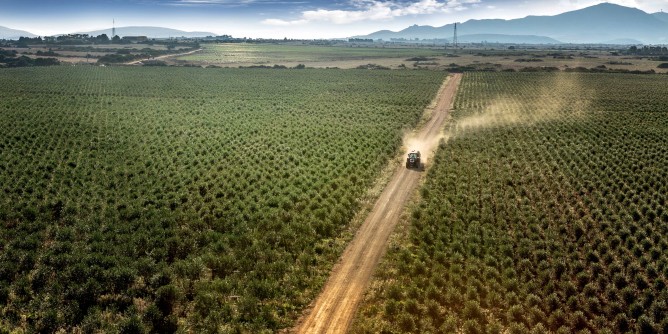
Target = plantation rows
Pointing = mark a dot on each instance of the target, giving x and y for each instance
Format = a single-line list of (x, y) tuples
[(544, 212), (209, 200)]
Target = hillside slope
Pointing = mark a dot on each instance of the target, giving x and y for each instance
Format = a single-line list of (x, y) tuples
[(9, 33), (596, 24)]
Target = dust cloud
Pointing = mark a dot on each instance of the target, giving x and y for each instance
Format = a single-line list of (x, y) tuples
[(426, 146), (561, 97)]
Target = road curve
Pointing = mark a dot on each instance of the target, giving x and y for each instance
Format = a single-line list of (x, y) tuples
[(334, 308)]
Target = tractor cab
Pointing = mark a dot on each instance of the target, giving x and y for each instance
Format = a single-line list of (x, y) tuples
[(413, 159)]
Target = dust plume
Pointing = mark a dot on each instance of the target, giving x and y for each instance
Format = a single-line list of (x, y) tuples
[(500, 112), (426, 146), (561, 97)]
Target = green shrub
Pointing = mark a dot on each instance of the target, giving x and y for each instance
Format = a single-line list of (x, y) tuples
[(132, 325), (406, 323)]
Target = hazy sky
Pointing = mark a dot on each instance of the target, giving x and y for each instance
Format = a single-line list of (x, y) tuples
[(276, 18)]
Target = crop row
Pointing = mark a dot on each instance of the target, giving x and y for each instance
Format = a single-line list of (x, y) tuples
[(205, 199), (545, 211)]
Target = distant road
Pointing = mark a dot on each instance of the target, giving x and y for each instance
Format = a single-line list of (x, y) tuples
[(135, 62)]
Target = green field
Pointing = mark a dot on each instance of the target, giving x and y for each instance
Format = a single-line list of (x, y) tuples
[(545, 211), (237, 53), (205, 199)]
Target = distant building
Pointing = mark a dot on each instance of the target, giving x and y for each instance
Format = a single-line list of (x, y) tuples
[(135, 39)]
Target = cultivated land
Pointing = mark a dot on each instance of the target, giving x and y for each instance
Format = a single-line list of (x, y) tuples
[(488, 58), (210, 200), (472, 57), (333, 311), (218, 200), (544, 211), (89, 53), (243, 54)]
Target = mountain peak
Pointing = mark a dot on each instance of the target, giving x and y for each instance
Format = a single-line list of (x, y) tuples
[(608, 5), (606, 8), (661, 16), (600, 23)]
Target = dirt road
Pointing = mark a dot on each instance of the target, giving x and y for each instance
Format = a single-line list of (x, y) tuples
[(335, 307), (135, 62)]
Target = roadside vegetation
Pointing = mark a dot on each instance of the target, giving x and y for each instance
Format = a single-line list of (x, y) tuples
[(544, 212), (210, 200)]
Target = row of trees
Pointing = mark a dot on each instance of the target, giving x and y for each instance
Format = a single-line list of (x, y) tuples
[(208, 199), (11, 59), (648, 50), (72, 39)]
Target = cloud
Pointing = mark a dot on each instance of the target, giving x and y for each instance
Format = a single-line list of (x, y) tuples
[(283, 23), (375, 10)]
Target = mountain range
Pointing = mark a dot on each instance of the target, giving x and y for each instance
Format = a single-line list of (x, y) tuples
[(603, 23), (150, 32)]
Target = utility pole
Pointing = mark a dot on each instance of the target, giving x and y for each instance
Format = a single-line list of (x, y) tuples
[(455, 43)]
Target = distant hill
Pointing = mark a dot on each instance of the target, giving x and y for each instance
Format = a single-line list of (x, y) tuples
[(150, 32), (596, 24), (507, 39), (661, 16), (412, 32), (7, 33), (429, 32), (623, 41)]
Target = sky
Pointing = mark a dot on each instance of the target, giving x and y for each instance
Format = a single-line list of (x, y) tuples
[(310, 19)]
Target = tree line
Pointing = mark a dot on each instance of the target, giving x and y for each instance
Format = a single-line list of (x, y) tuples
[(10, 59)]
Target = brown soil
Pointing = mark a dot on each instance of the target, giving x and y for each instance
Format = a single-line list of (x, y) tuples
[(334, 308)]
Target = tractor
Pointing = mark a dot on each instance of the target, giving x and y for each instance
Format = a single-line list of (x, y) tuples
[(413, 159)]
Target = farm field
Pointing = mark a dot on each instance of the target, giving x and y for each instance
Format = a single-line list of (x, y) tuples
[(561, 59), (478, 57), (89, 54), (242, 54), (208, 200), (545, 211), (400, 57)]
